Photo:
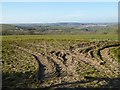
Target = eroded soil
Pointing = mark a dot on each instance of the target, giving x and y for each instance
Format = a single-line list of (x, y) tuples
[(60, 64)]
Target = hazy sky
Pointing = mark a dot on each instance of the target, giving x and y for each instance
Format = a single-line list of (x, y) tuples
[(47, 12), (60, 0)]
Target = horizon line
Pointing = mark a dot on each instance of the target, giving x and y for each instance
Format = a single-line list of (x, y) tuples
[(54, 22)]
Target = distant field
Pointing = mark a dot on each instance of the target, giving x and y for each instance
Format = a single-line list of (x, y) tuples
[(59, 28), (62, 37)]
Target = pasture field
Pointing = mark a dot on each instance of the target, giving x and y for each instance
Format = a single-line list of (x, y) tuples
[(61, 61), (62, 37)]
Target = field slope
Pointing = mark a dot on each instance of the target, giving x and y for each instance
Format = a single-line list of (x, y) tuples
[(61, 61)]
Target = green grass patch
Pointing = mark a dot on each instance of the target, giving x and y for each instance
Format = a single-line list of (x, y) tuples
[(62, 37), (116, 53)]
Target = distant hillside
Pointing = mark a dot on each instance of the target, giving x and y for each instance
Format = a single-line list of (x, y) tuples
[(59, 28), (8, 27)]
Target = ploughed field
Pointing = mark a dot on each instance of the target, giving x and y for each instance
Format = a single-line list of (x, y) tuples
[(60, 63)]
